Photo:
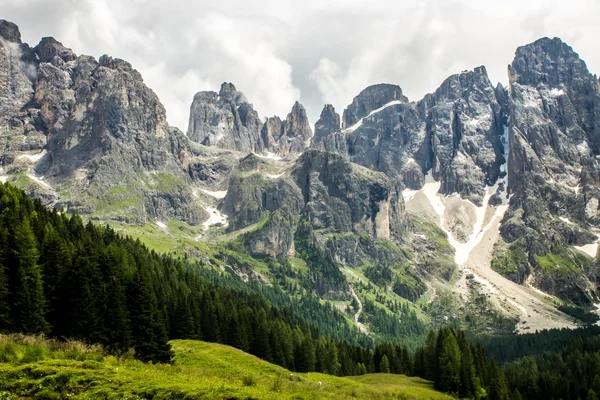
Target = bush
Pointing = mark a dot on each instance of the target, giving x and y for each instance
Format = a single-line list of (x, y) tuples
[(33, 353), (47, 395)]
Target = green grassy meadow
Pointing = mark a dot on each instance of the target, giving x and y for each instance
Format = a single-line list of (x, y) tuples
[(34, 368)]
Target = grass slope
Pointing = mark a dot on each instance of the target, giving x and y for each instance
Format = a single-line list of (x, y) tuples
[(31, 367)]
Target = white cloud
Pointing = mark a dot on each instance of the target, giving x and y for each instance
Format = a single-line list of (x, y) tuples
[(315, 51)]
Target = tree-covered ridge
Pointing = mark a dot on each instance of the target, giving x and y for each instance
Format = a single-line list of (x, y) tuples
[(70, 280), (66, 279)]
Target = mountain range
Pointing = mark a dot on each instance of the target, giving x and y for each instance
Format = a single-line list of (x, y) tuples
[(477, 204)]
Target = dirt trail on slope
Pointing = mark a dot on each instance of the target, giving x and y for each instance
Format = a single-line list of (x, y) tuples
[(360, 326), (535, 313)]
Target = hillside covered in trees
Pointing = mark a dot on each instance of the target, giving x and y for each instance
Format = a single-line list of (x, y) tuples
[(70, 280)]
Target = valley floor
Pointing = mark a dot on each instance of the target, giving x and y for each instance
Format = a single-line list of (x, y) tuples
[(33, 368)]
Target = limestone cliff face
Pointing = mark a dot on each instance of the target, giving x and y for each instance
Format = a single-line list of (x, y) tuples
[(371, 99), (290, 136), (19, 121), (340, 196), (228, 121), (225, 120), (325, 189), (100, 127), (553, 170), (453, 134), (328, 123)]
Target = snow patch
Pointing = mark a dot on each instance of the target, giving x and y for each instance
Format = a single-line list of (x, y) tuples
[(566, 220), (556, 92), (360, 121), (216, 217), (39, 180), (590, 249), (408, 194), (4, 178), (274, 176), (268, 155), (32, 158), (161, 224), (219, 194)]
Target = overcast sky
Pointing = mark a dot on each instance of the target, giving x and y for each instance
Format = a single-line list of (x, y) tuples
[(314, 51)]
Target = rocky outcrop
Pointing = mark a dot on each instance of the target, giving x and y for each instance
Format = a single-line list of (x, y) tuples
[(9, 31), (252, 198), (340, 196), (371, 99), (225, 120), (290, 136), (454, 134), (228, 121), (328, 123), (103, 133), (553, 169)]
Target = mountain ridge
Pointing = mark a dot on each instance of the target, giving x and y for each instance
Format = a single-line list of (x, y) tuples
[(383, 195)]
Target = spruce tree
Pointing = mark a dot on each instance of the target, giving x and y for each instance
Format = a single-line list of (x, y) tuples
[(28, 303), (149, 335), (384, 366), (497, 389), (449, 364), (4, 286)]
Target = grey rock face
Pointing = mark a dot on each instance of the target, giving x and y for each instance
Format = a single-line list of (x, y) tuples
[(340, 196), (48, 48), (334, 195), (371, 99), (328, 123), (454, 133), (553, 166), (19, 123), (9, 31), (103, 131), (290, 136), (225, 120)]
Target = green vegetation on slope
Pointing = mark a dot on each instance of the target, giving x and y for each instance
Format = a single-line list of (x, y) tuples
[(35, 368)]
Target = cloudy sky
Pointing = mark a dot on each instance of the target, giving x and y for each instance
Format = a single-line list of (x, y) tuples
[(280, 51)]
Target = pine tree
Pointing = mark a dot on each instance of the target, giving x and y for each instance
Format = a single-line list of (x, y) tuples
[(591, 395), (115, 321), (498, 389), (468, 387), (307, 358), (28, 303), (149, 335), (384, 366), (449, 364), (430, 356), (4, 286)]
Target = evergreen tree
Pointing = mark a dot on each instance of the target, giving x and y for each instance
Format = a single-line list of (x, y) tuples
[(4, 285), (384, 366), (307, 359), (497, 389), (149, 335), (449, 363), (28, 303)]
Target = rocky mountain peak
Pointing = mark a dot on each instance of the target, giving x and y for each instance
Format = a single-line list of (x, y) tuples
[(457, 85), (9, 31), (328, 122), (48, 48), (371, 98), (290, 136), (547, 61), (225, 120), (228, 92)]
